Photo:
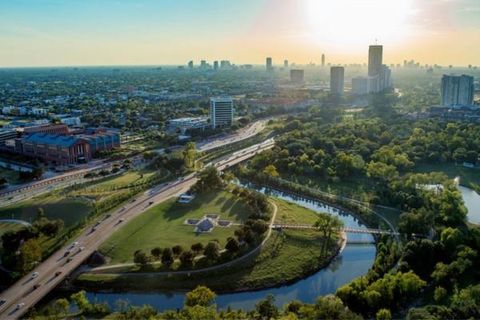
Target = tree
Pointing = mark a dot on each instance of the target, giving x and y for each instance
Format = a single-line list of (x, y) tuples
[(141, 258), (189, 154), (266, 308), (232, 245), (156, 253), (30, 254), (208, 179), (271, 170), (439, 294), (167, 257), (186, 258), (177, 250), (81, 301), (200, 296), (61, 307), (197, 247), (212, 251), (383, 314)]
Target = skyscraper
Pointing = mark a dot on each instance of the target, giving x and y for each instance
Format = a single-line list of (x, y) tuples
[(269, 65), (203, 64), (285, 63), (375, 54), (190, 64), (457, 90), (215, 65), (221, 112), (296, 76), (323, 59), (337, 80), (360, 85)]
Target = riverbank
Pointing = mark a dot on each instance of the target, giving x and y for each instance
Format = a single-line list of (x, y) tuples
[(286, 257)]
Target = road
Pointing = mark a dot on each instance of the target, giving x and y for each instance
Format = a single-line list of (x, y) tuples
[(23, 292), (35, 188)]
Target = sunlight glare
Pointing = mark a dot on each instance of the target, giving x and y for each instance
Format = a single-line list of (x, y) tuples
[(346, 23)]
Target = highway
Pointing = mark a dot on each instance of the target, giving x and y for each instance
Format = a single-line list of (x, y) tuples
[(21, 296), (35, 188)]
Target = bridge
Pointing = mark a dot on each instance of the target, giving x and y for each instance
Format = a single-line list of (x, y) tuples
[(280, 226)]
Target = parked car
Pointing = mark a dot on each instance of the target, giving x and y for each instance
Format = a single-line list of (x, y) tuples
[(34, 275), (19, 306), (2, 302), (58, 273)]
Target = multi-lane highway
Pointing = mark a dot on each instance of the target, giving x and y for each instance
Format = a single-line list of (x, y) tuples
[(32, 189), (26, 292)]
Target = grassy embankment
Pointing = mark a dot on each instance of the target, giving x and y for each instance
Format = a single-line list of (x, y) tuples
[(73, 204), (287, 256), (163, 226)]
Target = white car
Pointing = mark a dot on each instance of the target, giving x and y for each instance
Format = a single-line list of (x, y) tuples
[(19, 306), (74, 244), (34, 275)]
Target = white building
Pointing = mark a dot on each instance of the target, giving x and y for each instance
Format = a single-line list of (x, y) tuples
[(186, 123), (221, 112), (360, 85), (71, 121)]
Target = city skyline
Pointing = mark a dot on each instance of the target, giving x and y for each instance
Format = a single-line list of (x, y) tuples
[(146, 32)]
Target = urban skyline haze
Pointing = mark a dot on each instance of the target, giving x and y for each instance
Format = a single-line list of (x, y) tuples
[(147, 32)]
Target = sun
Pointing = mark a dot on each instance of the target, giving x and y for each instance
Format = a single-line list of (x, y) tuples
[(349, 23)]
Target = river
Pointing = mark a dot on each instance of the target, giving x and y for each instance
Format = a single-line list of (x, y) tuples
[(353, 262), (472, 202)]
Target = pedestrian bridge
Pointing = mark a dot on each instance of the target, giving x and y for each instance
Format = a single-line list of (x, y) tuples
[(280, 226)]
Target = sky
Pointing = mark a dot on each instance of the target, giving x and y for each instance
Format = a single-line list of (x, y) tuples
[(161, 32)]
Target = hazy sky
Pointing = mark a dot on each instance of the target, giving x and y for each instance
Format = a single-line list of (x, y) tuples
[(139, 32)]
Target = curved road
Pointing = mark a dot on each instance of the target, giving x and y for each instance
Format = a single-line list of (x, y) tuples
[(21, 296)]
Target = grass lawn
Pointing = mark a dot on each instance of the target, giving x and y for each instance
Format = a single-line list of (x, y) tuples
[(286, 257), (467, 175), (162, 226), (70, 210), (6, 226)]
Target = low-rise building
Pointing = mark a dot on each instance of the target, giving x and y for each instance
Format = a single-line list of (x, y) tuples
[(184, 124)]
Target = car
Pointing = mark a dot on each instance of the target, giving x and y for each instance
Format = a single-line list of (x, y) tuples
[(36, 286), (69, 259), (133, 200), (2, 302), (74, 244), (19, 306), (120, 220), (150, 203), (81, 249), (34, 275), (93, 229), (58, 273), (97, 223), (66, 253)]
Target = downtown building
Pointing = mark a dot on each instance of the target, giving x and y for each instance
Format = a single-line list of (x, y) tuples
[(221, 112), (379, 74), (337, 80), (297, 76), (457, 90)]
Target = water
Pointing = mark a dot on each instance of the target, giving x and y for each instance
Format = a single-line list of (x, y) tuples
[(472, 202), (353, 262)]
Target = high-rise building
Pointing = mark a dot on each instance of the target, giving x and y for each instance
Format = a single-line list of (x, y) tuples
[(285, 63), (215, 65), (457, 90), (323, 59), (269, 64), (190, 64), (203, 64), (224, 64), (360, 85), (385, 78), (296, 75), (375, 54), (337, 80), (221, 112)]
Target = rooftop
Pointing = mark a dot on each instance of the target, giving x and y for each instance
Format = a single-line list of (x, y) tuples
[(52, 139)]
